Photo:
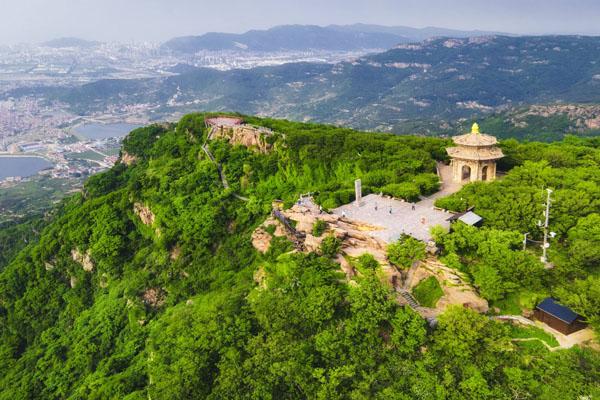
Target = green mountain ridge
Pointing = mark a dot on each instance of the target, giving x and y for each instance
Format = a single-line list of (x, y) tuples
[(417, 88), (146, 284)]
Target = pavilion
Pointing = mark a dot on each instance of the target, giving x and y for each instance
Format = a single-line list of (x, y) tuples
[(474, 157)]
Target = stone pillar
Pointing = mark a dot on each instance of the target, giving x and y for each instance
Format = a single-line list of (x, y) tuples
[(492, 171), (475, 172), (456, 171), (358, 191)]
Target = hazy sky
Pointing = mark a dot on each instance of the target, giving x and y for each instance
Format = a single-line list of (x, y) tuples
[(156, 20)]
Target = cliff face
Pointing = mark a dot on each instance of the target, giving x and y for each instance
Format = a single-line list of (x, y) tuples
[(249, 136)]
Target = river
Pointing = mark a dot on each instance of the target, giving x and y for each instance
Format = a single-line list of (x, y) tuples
[(103, 131), (22, 166)]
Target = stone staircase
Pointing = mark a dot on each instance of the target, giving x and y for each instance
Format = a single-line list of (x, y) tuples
[(296, 236), (412, 302)]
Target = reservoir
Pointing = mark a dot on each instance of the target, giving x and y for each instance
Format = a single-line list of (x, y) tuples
[(22, 166), (103, 131)]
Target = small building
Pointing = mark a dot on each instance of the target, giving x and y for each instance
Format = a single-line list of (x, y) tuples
[(474, 157), (559, 317), (468, 217)]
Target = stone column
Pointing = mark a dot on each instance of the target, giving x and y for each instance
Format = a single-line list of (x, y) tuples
[(456, 171), (476, 172), (358, 191), (492, 171)]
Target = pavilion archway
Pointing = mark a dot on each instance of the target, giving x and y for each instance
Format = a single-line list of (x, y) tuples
[(466, 173)]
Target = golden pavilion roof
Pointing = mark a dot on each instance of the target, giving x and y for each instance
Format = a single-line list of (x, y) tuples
[(475, 146)]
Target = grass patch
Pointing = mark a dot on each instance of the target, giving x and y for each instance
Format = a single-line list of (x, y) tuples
[(279, 246), (509, 305), (515, 302), (533, 346), (428, 292), (524, 332)]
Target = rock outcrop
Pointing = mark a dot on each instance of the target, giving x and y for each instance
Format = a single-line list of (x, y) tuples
[(456, 289), (154, 297), (128, 159), (254, 138), (357, 241), (145, 214), (85, 260)]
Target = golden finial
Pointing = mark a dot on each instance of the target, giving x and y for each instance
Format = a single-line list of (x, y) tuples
[(475, 128)]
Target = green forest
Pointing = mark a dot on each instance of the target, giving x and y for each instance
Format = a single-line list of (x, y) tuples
[(99, 303)]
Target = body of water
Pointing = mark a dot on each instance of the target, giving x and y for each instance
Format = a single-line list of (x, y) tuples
[(22, 166), (103, 131)]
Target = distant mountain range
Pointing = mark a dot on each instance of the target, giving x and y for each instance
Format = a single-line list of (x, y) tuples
[(416, 34), (295, 38), (418, 87), (310, 37)]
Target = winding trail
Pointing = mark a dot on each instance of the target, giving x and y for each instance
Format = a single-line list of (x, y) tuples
[(222, 176)]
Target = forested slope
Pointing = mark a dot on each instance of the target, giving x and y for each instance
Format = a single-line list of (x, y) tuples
[(146, 286), (416, 88)]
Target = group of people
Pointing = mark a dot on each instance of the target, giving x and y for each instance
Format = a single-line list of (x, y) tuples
[(413, 207)]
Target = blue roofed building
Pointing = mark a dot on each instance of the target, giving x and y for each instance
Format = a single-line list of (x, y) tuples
[(558, 317)]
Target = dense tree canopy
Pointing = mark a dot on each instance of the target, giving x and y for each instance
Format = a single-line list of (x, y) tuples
[(146, 285)]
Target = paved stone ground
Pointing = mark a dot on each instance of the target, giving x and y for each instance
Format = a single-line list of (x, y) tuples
[(395, 217), (375, 210)]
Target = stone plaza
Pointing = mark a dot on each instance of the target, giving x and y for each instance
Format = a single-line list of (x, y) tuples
[(395, 217)]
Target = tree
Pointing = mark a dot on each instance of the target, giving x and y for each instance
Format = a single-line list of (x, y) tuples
[(489, 283), (583, 295), (584, 241), (406, 251)]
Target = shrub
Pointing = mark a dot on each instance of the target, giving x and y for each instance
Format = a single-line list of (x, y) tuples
[(319, 227), (406, 251), (427, 183), (405, 190), (330, 246), (367, 262)]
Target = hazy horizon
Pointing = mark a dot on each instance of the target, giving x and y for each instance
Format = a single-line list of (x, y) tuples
[(159, 20)]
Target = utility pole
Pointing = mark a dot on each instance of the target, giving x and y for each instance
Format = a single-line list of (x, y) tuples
[(545, 245)]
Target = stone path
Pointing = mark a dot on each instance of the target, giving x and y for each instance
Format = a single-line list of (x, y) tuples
[(565, 341), (221, 173)]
